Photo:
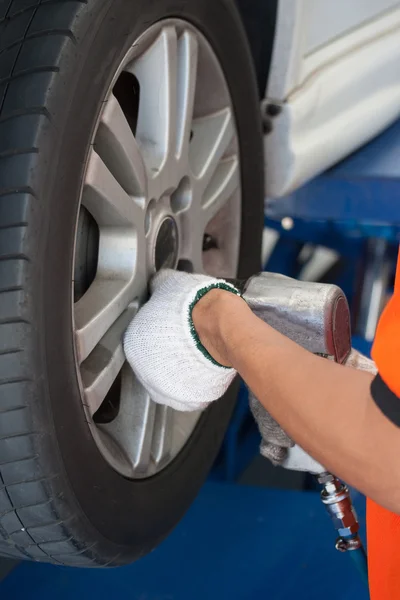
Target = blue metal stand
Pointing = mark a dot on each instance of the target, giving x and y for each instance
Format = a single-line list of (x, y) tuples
[(363, 189)]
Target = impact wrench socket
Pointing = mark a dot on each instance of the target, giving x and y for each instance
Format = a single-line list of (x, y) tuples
[(316, 316)]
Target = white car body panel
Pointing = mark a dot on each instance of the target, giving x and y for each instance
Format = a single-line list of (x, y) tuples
[(335, 72), (329, 19)]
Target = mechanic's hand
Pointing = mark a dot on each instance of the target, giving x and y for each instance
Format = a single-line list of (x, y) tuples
[(277, 446), (164, 350)]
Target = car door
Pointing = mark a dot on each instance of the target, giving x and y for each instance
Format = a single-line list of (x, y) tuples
[(334, 84)]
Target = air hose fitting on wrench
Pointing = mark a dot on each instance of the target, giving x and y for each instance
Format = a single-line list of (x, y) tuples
[(316, 316)]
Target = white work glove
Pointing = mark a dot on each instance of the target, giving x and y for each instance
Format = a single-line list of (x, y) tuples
[(277, 446), (163, 349)]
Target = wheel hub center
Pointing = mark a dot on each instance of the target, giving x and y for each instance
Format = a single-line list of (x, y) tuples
[(167, 245)]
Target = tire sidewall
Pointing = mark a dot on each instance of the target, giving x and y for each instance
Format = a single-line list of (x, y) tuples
[(123, 518)]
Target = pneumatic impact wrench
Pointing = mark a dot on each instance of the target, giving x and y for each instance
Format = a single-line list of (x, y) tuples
[(315, 316)]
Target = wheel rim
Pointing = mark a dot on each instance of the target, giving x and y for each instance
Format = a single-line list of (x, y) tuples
[(162, 189)]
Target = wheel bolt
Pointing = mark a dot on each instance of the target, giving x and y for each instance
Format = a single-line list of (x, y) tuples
[(209, 242)]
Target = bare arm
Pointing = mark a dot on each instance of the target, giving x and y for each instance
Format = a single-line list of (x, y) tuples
[(326, 408)]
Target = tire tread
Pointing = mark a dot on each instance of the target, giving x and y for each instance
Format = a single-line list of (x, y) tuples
[(29, 522)]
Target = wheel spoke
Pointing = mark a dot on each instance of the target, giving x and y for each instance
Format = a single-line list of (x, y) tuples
[(97, 311), (223, 184), (191, 238), (184, 422), (106, 200), (157, 73), (134, 425), (101, 368), (211, 138), (163, 432), (195, 257), (116, 145), (187, 75)]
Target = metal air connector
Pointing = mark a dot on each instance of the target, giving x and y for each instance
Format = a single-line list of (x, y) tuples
[(335, 496)]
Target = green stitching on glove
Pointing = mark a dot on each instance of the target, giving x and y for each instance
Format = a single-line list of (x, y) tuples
[(202, 292)]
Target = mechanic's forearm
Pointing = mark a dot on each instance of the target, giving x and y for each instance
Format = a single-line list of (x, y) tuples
[(324, 407)]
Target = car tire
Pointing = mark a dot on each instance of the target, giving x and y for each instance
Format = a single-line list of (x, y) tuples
[(60, 501)]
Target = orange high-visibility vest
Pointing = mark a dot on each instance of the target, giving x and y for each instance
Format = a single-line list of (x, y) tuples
[(383, 527)]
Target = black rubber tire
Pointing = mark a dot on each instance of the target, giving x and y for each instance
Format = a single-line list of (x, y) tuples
[(59, 499)]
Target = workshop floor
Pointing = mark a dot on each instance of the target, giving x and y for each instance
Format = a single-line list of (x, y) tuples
[(237, 542)]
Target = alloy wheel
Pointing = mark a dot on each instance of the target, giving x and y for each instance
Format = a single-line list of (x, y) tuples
[(162, 189)]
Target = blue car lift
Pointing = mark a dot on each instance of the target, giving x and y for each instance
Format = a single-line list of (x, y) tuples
[(252, 543)]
